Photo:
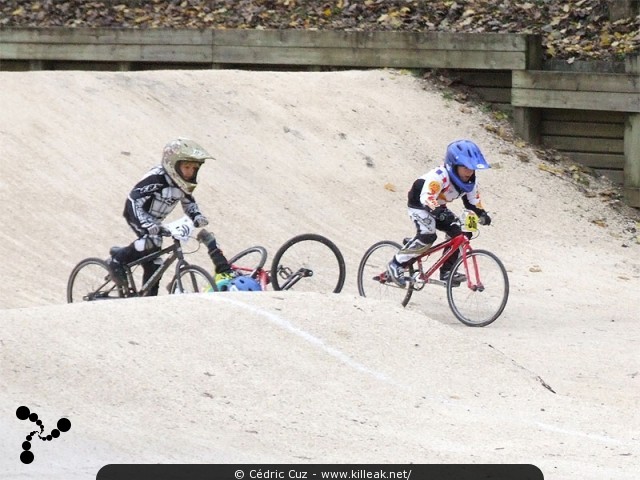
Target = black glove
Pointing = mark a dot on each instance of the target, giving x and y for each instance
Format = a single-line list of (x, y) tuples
[(439, 213), (200, 221), (484, 218)]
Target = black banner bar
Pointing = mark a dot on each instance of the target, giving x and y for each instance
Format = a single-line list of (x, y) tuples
[(320, 472)]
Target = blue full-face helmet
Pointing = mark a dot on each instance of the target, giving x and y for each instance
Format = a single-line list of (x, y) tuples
[(467, 154), (244, 284)]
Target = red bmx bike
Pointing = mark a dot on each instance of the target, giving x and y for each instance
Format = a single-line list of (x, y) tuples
[(476, 302)]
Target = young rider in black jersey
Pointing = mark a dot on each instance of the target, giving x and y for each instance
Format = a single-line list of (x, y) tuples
[(153, 198)]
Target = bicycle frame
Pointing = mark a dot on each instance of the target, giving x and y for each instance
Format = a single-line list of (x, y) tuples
[(259, 274), (293, 278), (458, 243), (176, 254)]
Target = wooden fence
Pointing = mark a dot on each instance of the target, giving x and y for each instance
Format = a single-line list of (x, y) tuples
[(213, 48), (592, 117), (595, 117)]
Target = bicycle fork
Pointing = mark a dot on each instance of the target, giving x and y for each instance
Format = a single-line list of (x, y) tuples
[(472, 271), (469, 262)]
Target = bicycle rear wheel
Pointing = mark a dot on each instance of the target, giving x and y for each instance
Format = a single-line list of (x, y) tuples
[(192, 279), (481, 299), (90, 280), (308, 263), (373, 281)]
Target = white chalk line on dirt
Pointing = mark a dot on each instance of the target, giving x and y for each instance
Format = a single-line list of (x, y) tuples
[(344, 358), (281, 322)]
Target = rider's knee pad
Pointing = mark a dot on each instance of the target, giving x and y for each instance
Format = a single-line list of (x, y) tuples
[(148, 243), (426, 238), (419, 243)]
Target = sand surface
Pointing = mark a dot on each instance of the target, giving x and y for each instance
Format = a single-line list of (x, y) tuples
[(287, 377)]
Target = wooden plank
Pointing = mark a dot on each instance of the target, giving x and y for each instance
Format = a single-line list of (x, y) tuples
[(115, 36), (619, 102), (137, 66), (107, 52), (632, 160), (610, 161), (526, 123), (14, 65), (90, 66), (246, 55), (631, 196), (494, 95), (488, 78), (503, 107), (594, 145), (593, 116), (393, 49), (616, 176), (583, 129), (362, 57), (272, 38), (534, 52), (576, 82), (372, 40)]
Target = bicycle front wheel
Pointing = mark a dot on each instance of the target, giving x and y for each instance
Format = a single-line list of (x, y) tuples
[(480, 299), (90, 280), (308, 263), (192, 279), (249, 262), (373, 281)]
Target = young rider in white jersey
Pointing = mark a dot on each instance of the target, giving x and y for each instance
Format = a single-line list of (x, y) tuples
[(427, 206)]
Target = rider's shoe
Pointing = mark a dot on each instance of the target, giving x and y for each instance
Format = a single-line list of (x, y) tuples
[(118, 274), (396, 272), (458, 278), (206, 237), (229, 275), (223, 280)]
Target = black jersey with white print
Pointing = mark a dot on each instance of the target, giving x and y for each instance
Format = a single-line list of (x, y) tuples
[(154, 197)]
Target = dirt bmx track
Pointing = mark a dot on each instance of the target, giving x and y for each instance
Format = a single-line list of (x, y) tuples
[(302, 378)]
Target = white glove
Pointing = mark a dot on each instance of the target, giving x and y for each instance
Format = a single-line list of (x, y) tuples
[(152, 228), (200, 221)]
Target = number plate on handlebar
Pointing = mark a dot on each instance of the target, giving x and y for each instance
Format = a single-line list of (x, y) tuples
[(469, 221), (181, 228)]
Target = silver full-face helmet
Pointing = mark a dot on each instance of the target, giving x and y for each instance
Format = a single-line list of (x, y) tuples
[(183, 150)]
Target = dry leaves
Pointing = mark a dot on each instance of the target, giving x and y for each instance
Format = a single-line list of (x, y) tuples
[(573, 29)]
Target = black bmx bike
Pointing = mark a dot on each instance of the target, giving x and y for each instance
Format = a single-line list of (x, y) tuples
[(91, 278)]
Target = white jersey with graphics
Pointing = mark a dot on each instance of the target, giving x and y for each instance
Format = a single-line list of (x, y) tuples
[(435, 188)]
